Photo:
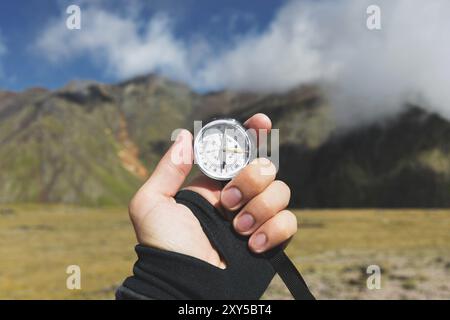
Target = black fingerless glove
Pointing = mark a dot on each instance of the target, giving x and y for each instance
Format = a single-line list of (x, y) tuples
[(160, 274)]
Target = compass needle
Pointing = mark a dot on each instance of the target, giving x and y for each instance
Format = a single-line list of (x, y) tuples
[(222, 149)]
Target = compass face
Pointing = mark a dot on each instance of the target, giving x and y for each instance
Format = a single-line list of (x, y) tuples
[(222, 148)]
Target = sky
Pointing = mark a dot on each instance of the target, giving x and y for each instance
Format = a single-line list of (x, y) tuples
[(267, 46), (24, 23)]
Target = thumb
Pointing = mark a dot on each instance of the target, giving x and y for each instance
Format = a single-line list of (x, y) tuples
[(172, 169)]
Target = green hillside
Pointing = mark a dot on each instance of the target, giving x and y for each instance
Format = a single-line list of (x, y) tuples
[(93, 144)]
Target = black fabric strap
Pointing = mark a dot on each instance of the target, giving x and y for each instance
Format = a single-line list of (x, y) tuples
[(290, 276), (287, 271), (277, 258), (161, 274)]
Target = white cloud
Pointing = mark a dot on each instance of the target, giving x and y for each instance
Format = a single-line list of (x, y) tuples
[(368, 73), (275, 60), (123, 46)]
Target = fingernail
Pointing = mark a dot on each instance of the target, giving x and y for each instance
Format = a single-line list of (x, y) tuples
[(244, 222), (258, 242), (231, 197), (180, 136)]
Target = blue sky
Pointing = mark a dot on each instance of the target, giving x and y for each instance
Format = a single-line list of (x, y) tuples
[(24, 22)]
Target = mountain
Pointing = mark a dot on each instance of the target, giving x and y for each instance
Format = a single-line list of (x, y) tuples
[(93, 144), (403, 162), (86, 143)]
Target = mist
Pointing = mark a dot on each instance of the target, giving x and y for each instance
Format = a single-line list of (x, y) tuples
[(367, 74)]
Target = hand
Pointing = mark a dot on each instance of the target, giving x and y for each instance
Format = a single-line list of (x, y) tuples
[(255, 201)]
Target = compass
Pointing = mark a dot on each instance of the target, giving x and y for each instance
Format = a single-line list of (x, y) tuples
[(222, 148)]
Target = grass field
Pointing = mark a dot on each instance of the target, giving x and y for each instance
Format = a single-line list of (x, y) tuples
[(332, 249)]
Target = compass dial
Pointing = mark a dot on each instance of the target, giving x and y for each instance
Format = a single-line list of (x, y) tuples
[(222, 148)]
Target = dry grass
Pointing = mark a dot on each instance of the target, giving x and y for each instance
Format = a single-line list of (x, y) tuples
[(39, 242), (332, 249)]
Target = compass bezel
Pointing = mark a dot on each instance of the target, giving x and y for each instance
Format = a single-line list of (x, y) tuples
[(230, 123)]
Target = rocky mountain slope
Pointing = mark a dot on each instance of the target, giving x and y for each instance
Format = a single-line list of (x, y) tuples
[(93, 144)]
